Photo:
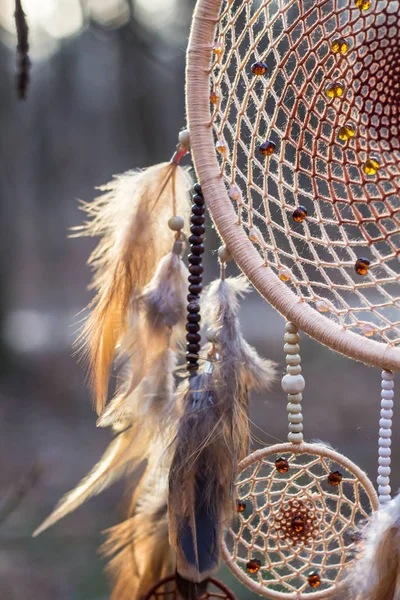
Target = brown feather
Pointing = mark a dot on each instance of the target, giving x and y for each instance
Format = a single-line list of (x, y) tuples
[(132, 219), (139, 549), (213, 434)]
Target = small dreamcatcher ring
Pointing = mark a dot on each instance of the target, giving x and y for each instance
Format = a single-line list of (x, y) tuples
[(201, 52), (165, 588), (300, 508)]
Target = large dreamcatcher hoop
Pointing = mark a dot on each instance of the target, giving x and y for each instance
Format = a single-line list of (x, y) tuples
[(299, 159)]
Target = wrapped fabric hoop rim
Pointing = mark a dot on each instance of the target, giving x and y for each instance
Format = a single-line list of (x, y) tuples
[(297, 449), (246, 256)]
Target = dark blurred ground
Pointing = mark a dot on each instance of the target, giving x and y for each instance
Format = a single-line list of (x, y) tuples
[(104, 99)]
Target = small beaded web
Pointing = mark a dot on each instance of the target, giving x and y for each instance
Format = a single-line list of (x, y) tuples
[(166, 588), (300, 511), (305, 104)]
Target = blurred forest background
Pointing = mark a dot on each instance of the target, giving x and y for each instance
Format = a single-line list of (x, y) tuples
[(107, 94)]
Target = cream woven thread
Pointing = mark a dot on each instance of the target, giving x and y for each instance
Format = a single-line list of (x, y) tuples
[(318, 253), (339, 512)]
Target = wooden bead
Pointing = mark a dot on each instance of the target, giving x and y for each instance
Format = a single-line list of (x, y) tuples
[(198, 210), (385, 451), (193, 338), (193, 348), (195, 289), (192, 298), (224, 255), (293, 409), (293, 369), (296, 417), (176, 223), (192, 358), (290, 328), (195, 240), (387, 385), (384, 442), (296, 398), (291, 338), (196, 269), (193, 307), (198, 199), (197, 220), (197, 188), (196, 279), (194, 260), (384, 471), (387, 375), (197, 250), (295, 427), (293, 384), (295, 438), (291, 349), (193, 318), (293, 359), (197, 229), (192, 327)]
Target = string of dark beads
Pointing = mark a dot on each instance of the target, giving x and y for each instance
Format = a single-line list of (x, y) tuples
[(196, 269), (23, 62)]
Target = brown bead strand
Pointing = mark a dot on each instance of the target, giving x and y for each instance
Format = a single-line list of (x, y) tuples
[(196, 269)]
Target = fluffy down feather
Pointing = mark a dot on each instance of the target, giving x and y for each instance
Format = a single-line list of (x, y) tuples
[(375, 574)]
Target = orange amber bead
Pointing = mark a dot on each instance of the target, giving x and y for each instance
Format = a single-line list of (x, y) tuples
[(214, 98), (363, 4), (240, 506), (335, 477), (314, 580), (346, 132), (267, 148), (298, 524), (371, 166), (217, 48), (284, 274), (299, 214), (362, 265), (334, 90), (282, 465), (340, 45), (259, 68), (253, 566)]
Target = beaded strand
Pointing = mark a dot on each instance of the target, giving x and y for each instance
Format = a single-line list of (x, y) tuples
[(195, 279), (293, 383), (385, 437)]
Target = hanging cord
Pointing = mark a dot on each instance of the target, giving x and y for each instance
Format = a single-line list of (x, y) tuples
[(195, 279), (385, 437), (23, 61)]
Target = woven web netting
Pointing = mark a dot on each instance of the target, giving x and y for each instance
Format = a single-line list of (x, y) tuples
[(351, 214), (297, 527), (166, 589)]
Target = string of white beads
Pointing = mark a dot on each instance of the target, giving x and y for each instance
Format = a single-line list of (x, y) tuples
[(385, 437), (293, 383)]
